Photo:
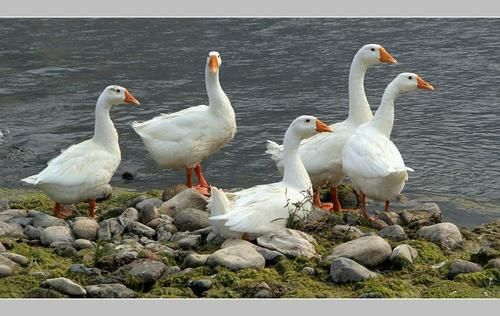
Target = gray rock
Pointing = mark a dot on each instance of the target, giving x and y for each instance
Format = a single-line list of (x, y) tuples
[(17, 258), (143, 272), (391, 218), (493, 264), (9, 263), (23, 221), (141, 229), (237, 257), (79, 268), (59, 245), (115, 228), (159, 248), (145, 240), (133, 202), (445, 235), (459, 266), (64, 285), (378, 224), (172, 270), (45, 220), (114, 290), (10, 214), (172, 190), (128, 216), (5, 271), (2, 247), (8, 243), (104, 232), (164, 233), (289, 242), (151, 202), (80, 244), (4, 204), (308, 271), (195, 260), (56, 233), (403, 252), (67, 252), (369, 251), (200, 286), (189, 241), (316, 216), (189, 198), (347, 232), (345, 270), (191, 219), (148, 213), (11, 230), (263, 290), (351, 219), (44, 293), (394, 232), (269, 255), (85, 228), (157, 222), (421, 215)]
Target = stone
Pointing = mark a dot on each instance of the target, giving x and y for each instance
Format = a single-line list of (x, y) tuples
[(172, 270), (65, 285), (2, 248), (17, 258), (23, 221), (56, 233), (133, 202), (67, 252), (113, 290), (343, 270), (172, 190), (115, 228), (316, 216), (378, 224), (43, 293), (446, 235), (308, 271), (141, 229), (236, 258), (485, 254), (289, 242), (493, 264), (351, 219), (143, 273), (4, 204), (10, 214), (269, 255), (128, 216), (5, 271), (157, 222), (369, 251), (263, 290), (394, 232), (189, 241), (403, 252), (420, 215), (104, 232), (347, 232), (160, 248), (200, 286), (164, 233), (11, 230), (391, 218), (151, 202), (148, 213), (44, 220), (80, 244), (191, 219), (79, 268), (85, 228), (8, 243), (459, 266), (195, 260), (33, 232), (189, 198)]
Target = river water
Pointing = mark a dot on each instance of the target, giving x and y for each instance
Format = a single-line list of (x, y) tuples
[(53, 70)]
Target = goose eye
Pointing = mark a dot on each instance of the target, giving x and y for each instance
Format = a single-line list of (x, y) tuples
[(308, 120), (372, 49), (410, 77), (118, 90)]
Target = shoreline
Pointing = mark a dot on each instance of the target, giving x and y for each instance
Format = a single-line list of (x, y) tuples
[(143, 246)]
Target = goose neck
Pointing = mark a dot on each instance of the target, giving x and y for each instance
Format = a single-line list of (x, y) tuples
[(295, 173), (384, 117), (359, 109), (104, 131)]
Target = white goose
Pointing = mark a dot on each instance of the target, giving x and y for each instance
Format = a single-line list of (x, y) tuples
[(82, 172), (267, 207), (322, 153), (370, 158), (183, 139)]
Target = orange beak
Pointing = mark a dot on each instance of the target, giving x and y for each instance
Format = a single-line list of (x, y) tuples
[(385, 57), (322, 127), (422, 84), (213, 64), (129, 98)]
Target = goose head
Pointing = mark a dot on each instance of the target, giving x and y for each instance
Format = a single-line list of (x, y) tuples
[(213, 62), (306, 126), (372, 54), (115, 95), (407, 81)]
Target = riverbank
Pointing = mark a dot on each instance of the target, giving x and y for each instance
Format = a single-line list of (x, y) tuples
[(160, 244)]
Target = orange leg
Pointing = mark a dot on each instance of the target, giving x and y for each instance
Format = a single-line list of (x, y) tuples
[(335, 200), (316, 199), (60, 212), (386, 208), (189, 180), (363, 205), (91, 211), (203, 186)]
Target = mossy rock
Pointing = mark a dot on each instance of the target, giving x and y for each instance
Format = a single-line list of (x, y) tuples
[(387, 288), (428, 252), (485, 278), (452, 289)]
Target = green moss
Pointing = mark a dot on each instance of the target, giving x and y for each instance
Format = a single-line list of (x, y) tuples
[(452, 289), (33, 200), (169, 292), (387, 287), (428, 252), (485, 278)]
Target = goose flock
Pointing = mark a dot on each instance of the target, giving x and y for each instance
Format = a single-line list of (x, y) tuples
[(313, 155)]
